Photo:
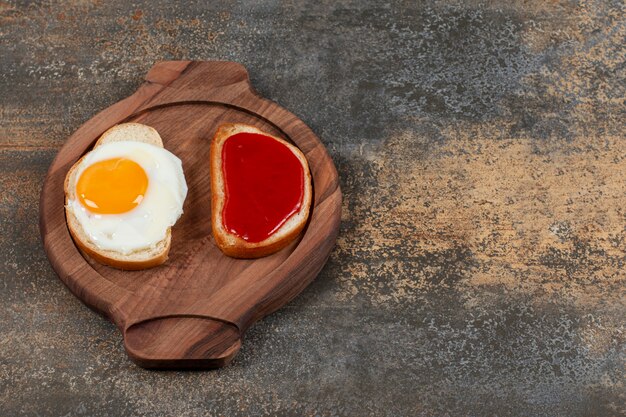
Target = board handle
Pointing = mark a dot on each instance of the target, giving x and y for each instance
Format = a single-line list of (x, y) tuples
[(169, 335), (182, 341), (199, 81)]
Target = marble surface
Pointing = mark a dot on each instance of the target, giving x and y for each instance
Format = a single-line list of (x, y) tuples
[(482, 157)]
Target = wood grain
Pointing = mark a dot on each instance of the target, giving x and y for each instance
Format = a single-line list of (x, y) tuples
[(193, 311)]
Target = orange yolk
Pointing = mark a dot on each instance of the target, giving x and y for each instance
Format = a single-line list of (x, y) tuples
[(112, 186)]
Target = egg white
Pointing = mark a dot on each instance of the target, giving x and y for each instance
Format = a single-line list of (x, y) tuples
[(145, 225)]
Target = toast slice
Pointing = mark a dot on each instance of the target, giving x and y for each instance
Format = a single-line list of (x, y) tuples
[(230, 243), (140, 259)]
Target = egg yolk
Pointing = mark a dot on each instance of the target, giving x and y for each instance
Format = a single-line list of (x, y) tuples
[(112, 186)]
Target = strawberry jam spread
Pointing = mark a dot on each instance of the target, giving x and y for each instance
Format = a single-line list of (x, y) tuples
[(264, 185)]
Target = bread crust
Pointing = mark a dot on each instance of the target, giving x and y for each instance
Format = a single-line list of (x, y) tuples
[(132, 262), (231, 244)]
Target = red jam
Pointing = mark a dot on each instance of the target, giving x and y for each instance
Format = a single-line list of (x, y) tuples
[(264, 184)]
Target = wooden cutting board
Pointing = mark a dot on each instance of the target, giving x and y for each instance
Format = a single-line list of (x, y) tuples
[(193, 311)]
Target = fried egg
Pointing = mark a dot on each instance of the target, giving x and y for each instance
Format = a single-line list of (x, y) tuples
[(128, 194)]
